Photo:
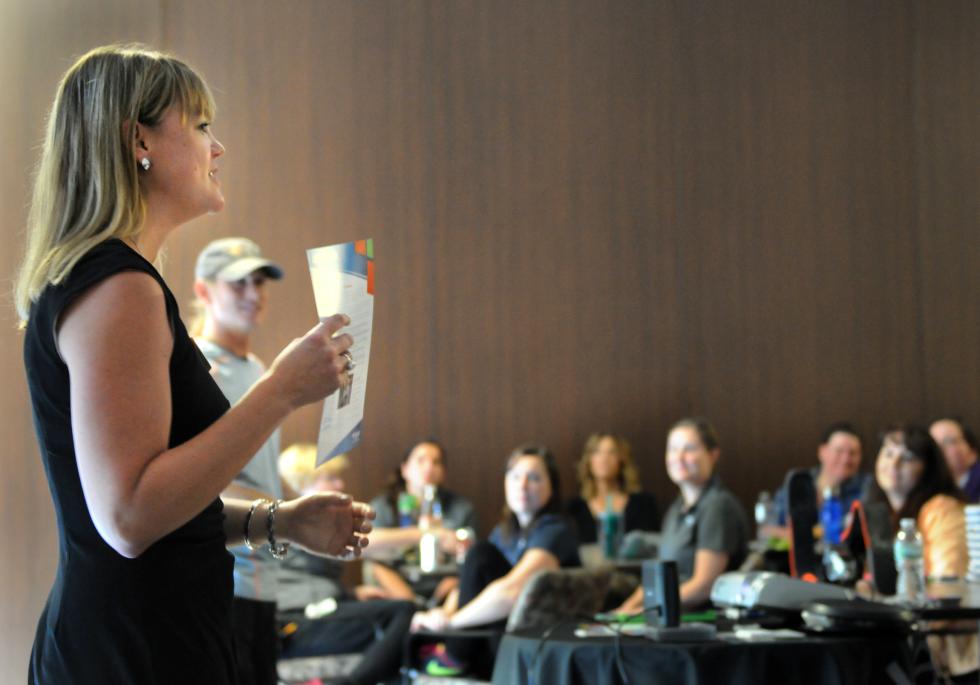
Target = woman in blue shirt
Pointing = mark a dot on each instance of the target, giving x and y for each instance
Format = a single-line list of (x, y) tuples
[(533, 536)]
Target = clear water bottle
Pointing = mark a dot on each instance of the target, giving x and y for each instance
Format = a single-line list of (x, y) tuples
[(911, 583), (831, 518), (430, 520), (765, 511)]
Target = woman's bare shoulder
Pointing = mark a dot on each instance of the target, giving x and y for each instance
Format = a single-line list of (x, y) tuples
[(119, 308)]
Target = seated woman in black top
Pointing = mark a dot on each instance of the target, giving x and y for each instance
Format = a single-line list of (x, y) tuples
[(608, 481), (533, 536)]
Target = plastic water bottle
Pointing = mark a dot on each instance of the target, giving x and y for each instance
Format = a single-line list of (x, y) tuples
[(764, 515), (831, 518), (430, 520), (610, 523), (911, 583)]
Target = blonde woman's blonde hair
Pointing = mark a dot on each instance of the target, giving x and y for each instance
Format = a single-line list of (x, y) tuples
[(629, 479), (297, 465), (87, 184)]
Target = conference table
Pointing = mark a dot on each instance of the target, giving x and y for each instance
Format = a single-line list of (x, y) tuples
[(562, 658)]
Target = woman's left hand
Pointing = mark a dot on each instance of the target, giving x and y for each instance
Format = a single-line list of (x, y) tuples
[(326, 523), (435, 620)]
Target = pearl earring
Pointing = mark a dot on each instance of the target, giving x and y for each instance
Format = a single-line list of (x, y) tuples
[(145, 163)]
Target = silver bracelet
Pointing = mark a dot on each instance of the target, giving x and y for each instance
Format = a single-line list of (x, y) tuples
[(277, 549), (248, 519)]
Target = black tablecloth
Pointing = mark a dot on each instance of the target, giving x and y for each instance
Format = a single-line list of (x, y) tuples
[(564, 659)]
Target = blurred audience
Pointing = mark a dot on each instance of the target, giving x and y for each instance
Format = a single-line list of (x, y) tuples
[(317, 614), (959, 445), (912, 478), (532, 536), (608, 481), (397, 528), (705, 530), (839, 457)]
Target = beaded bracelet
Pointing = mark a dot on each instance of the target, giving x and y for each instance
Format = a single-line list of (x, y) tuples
[(277, 549), (248, 519)]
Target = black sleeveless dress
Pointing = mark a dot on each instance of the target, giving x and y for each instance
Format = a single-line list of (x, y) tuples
[(164, 617)]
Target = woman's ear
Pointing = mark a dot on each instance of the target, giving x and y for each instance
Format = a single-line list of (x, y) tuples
[(136, 134)]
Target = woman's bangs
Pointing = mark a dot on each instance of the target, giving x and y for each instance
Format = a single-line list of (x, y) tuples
[(193, 94)]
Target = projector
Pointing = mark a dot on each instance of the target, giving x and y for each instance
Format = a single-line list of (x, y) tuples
[(766, 591)]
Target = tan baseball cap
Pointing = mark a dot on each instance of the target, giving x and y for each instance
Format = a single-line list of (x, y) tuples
[(231, 259)]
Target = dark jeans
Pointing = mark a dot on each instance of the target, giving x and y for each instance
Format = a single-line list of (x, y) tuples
[(375, 627), (484, 564), (256, 641)]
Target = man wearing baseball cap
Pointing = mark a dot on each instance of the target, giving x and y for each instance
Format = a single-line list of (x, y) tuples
[(231, 278)]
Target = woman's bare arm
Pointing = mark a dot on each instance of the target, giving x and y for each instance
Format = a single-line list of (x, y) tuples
[(389, 580), (116, 342), (708, 565), (498, 598)]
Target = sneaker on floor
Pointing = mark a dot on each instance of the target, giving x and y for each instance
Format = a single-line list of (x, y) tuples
[(440, 663)]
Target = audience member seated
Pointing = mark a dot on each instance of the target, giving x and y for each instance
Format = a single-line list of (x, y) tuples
[(839, 457), (339, 621), (912, 478), (608, 481), (705, 530), (959, 446), (533, 536), (397, 525)]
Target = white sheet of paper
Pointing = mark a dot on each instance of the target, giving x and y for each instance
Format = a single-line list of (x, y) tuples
[(343, 282)]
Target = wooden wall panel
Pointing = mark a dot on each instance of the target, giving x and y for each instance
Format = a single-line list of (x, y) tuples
[(947, 157), (590, 216), (637, 210)]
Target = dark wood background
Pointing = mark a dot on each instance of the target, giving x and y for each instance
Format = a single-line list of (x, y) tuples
[(587, 216)]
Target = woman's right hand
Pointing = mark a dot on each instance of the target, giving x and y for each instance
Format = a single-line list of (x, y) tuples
[(329, 523), (312, 367)]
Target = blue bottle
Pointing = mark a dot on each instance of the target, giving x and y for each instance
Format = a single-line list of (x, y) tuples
[(831, 517)]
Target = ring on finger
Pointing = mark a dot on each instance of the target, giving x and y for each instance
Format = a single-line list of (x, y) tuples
[(349, 366)]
